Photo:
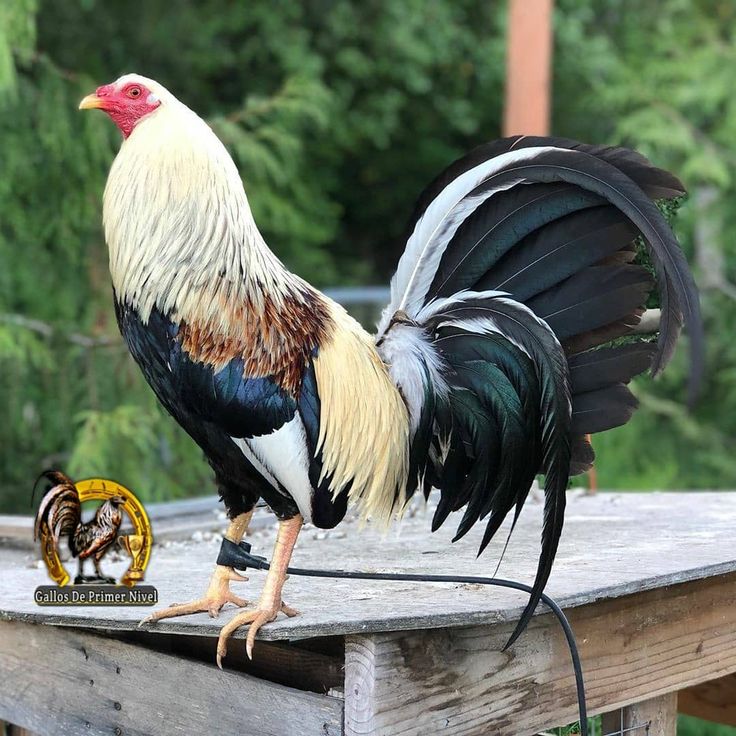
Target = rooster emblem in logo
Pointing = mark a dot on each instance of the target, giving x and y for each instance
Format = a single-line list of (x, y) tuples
[(59, 516)]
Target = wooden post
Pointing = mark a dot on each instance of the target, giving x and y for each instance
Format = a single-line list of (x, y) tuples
[(655, 717), (592, 476), (528, 64)]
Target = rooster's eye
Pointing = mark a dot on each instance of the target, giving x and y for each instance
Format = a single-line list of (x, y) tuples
[(134, 92)]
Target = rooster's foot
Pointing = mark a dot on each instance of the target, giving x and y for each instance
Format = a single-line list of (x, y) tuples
[(217, 595), (266, 612)]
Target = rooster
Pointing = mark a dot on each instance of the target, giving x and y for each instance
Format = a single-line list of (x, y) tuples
[(506, 342), (60, 511)]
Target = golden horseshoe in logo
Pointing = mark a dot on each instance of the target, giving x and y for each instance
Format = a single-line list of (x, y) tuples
[(137, 545)]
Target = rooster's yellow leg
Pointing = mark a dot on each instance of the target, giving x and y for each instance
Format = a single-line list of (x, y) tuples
[(218, 592), (270, 603)]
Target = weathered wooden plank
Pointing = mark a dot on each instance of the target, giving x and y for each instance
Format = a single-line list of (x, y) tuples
[(641, 552), (714, 701), (76, 683), (653, 717), (459, 681)]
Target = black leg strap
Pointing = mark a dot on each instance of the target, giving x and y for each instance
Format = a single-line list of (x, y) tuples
[(239, 557)]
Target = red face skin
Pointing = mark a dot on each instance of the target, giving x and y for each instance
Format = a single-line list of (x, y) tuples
[(126, 105)]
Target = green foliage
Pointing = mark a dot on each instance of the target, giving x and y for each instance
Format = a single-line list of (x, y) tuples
[(689, 726), (17, 40), (142, 445), (658, 77), (686, 726), (594, 729), (337, 115)]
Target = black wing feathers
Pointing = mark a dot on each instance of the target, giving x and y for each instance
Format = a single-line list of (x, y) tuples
[(604, 408), (327, 511)]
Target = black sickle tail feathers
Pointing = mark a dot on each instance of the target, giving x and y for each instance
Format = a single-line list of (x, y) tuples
[(528, 246), (546, 208), (510, 412)]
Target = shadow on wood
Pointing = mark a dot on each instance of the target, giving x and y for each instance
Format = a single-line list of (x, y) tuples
[(713, 701)]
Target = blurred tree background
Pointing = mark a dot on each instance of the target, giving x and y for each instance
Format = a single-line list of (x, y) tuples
[(338, 112)]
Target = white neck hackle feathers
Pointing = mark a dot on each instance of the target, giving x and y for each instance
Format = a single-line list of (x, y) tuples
[(177, 220)]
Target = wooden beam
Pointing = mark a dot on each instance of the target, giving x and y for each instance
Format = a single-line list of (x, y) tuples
[(459, 682), (713, 701), (57, 680), (528, 63)]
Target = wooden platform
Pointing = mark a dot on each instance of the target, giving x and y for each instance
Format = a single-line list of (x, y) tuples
[(648, 581)]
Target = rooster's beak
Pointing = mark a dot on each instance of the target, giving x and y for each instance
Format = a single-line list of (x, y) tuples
[(91, 102)]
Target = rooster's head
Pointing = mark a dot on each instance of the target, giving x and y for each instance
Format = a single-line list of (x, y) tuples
[(127, 100)]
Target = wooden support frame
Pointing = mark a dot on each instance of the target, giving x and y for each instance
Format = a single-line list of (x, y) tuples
[(653, 615), (68, 681), (458, 682), (637, 652), (18, 731)]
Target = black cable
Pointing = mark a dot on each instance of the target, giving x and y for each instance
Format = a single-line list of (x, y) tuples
[(239, 557)]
